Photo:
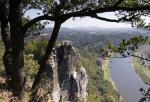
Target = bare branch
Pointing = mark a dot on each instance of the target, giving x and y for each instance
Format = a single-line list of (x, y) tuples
[(106, 19), (132, 56), (114, 20), (141, 57)]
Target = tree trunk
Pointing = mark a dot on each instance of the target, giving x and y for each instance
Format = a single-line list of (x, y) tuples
[(6, 37), (49, 48), (17, 40), (42, 77)]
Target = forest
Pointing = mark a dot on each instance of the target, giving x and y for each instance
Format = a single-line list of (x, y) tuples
[(46, 68)]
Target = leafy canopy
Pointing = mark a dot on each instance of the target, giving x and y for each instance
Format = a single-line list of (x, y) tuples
[(54, 10)]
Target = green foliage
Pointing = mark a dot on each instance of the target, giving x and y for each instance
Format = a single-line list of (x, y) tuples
[(128, 46), (31, 66), (142, 70), (133, 43), (108, 98), (145, 95), (35, 29), (99, 89), (34, 50), (1, 56), (142, 24), (68, 6), (36, 47)]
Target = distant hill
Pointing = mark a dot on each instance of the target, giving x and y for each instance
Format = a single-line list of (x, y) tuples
[(99, 30), (93, 38)]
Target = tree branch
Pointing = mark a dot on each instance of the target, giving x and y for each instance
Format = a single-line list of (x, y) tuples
[(105, 9), (35, 20), (113, 20), (141, 57), (132, 56), (62, 3), (106, 19), (60, 6), (48, 51), (86, 13), (118, 3)]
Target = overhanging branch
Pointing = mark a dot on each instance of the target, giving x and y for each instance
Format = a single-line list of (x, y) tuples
[(35, 20), (132, 56), (113, 20), (105, 9), (140, 57), (118, 3), (106, 19)]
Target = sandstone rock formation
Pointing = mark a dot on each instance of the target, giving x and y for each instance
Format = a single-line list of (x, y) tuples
[(65, 83)]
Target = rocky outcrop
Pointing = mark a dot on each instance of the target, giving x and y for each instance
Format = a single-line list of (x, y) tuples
[(66, 84)]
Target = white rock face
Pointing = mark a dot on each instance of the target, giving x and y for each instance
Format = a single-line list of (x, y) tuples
[(68, 84), (83, 81), (60, 81)]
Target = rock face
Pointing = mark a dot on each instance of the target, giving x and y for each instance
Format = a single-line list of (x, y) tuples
[(67, 85)]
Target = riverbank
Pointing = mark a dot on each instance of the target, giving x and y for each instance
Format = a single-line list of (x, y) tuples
[(142, 70), (126, 79), (107, 76), (99, 88)]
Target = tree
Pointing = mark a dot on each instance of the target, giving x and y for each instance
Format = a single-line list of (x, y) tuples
[(59, 11), (62, 9), (5, 35)]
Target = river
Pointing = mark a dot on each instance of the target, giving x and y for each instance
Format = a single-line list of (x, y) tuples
[(126, 80)]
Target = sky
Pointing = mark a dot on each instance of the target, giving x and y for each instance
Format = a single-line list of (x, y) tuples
[(86, 21)]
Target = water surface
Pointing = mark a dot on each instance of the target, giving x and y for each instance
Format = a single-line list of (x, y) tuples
[(126, 80)]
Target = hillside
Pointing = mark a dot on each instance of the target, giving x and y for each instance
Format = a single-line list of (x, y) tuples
[(88, 43), (93, 38), (99, 89)]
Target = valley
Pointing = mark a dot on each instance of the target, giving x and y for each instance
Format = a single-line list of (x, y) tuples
[(88, 42)]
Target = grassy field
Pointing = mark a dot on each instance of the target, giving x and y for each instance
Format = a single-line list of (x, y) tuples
[(142, 70)]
